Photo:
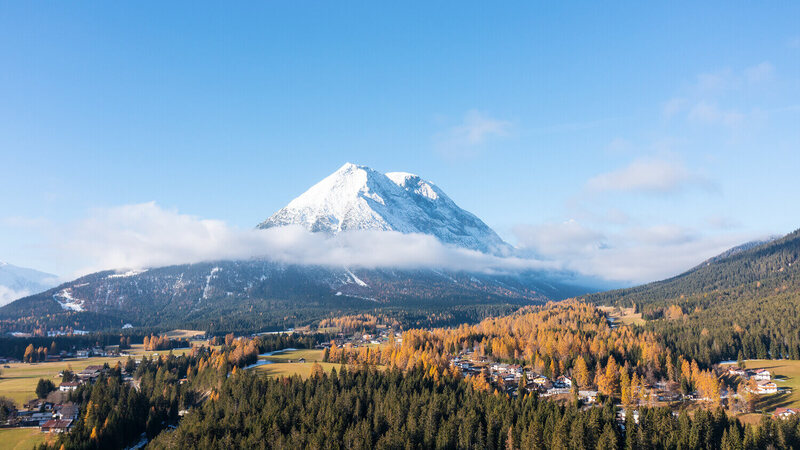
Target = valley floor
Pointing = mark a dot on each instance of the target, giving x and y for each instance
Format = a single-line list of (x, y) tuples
[(18, 380), (22, 438)]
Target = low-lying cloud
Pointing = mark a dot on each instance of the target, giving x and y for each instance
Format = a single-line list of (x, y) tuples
[(634, 254), (8, 295), (146, 235)]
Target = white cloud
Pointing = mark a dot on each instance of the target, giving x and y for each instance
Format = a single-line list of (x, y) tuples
[(646, 175), (713, 82), (634, 254), (475, 129), (8, 295), (759, 73), (146, 235), (662, 234), (618, 146), (673, 106), (559, 239), (722, 222), (710, 113), (700, 101)]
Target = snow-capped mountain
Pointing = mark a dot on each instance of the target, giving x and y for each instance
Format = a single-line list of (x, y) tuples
[(257, 294), (359, 198), (17, 282)]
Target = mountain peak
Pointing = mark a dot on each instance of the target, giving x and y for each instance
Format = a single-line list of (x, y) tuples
[(348, 166), (357, 197)]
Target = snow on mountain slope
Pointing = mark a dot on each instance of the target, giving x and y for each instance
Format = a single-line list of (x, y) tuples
[(17, 282), (359, 198)]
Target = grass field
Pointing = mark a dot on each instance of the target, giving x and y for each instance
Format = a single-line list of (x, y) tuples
[(786, 374), (625, 315), (282, 367), (310, 355), (22, 438), (289, 369), (329, 330), (18, 381), (184, 334)]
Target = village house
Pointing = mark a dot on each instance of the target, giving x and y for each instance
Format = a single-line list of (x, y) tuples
[(562, 382), (736, 371), (56, 426), (623, 413), (587, 396), (90, 373), (766, 387), (66, 411), (761, 375), (68, 386), (39, 418), (38, 404), (785, 413), (541, 380)]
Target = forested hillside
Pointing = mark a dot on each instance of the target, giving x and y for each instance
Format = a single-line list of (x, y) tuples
[(755, 271), (744, 305), (370, 409)]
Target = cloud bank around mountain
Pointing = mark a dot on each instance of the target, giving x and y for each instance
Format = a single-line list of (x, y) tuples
[(635, 254), (8, 295), (147, 235)]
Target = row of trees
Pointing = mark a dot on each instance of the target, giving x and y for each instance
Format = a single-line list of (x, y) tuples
[(33, 354), (368, 408)]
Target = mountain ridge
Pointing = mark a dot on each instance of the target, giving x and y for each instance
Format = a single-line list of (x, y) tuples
[(770, 263), (17, 282)]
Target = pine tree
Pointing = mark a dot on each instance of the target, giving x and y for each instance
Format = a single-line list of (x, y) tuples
[(581, 372), (608, 440)]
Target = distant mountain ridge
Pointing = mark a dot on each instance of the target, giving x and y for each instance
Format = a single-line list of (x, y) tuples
[(17, 282), (264, 294), (359, 198), (738, 249), (770, 263)]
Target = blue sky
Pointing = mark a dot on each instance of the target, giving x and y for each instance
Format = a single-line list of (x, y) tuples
[(630, 135)]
